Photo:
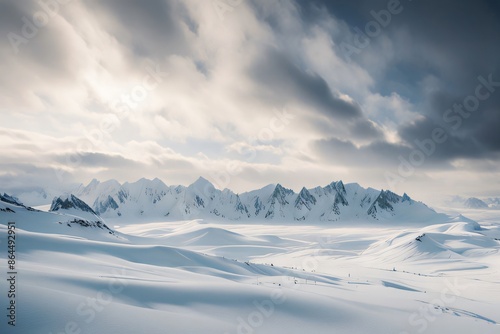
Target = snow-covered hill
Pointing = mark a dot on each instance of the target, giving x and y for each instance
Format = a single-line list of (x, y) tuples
[(205, 277), (66, 219), (214, 276)]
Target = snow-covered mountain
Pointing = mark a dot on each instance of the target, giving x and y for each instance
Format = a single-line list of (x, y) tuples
[(10, 199), (70, 216), (475, 203), (333, 202), (493, 202), (72, 205)]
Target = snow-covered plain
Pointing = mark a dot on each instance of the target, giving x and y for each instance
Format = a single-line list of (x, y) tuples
[(220, 276)]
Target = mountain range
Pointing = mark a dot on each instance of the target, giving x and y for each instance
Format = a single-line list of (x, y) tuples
[(153, 199), (333, 202), (475, 203)]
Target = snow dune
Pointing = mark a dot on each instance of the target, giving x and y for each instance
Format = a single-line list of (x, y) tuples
[(215, 276)]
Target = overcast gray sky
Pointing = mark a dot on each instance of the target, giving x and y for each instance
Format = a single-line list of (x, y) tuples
[(394, 95)]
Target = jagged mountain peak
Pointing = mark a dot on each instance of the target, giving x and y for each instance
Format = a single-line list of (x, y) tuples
[(10, 199), (386, 201), (108, 183), (279, 189), (95, 186), (102, 205), (339, 185), (157, 181), (305, 198), (93, 183), (386, 198), (303, 191), (278, 202), (306, 194), (144, 182), (201, 179), (407, 198), (279, 194), (263, 192), (202, 184), (69, 201), (336, 187)]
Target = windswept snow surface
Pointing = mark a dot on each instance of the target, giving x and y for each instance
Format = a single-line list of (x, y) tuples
[(218, 276)]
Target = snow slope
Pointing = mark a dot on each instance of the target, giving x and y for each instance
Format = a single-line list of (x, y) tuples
[(214, 276), (75, 223)]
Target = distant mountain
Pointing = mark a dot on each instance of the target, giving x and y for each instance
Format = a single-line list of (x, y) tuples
[(475, 203), (493, 202), (10, 199), (333, 202), (35, 196), (67, 202), (72, 205), (5, 198)]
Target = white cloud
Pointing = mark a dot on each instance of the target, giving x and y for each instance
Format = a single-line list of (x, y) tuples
[(69, 90)]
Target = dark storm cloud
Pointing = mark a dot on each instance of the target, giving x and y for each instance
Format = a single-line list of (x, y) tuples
[(430, 55), (149, 28), (364, 129), (457, 42), (476, 136), (354, 13), (455, 146), (359, 129), (27, 176), (39, 47), (113, 162), (97, 160), (35, 61), (377, 153), (489, 133), (453, 41), (281, 81), (12, 12), (471, 134)]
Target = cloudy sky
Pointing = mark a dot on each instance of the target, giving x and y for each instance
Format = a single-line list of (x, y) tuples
[(393, 95)]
